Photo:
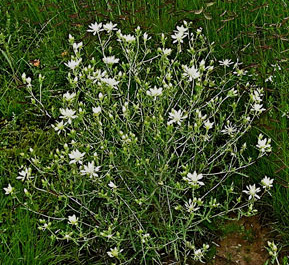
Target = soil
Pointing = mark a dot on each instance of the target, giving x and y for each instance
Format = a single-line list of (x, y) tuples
[(243, 243)]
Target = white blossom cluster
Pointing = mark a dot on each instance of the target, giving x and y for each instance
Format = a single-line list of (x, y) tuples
[(148, 140)]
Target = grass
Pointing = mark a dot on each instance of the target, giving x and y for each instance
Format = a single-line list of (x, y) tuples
[(254, 31), (20, 242)]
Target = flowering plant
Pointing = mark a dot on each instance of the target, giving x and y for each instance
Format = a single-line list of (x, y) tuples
[(149, 140)]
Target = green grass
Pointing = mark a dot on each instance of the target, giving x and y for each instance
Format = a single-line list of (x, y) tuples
[(20, 241), (254, 31)]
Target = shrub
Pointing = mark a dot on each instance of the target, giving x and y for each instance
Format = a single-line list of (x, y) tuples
[(150, 146)]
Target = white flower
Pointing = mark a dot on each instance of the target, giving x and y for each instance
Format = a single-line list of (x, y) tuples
[(232, 93), (226, 63), (202, 64), (90, 170), (191, 206), (246, 119), (192, 72), (109, 27), (76, 156), (208, 125), (60, 126), (94, 28), (154, 92), (264, 145), (199, 30), (96, 110), (273, 251), (112, 185), (252, 192), (9, 190), (166, 51), (181, 30), (237, 64), (269, 79), (125, 108), (146, 37), (240, 72), (267, 182), (144, 237), (210, 68), (110, 82), (68, 236), (110, 60), (258, 108), (257, 95), (229, 129), (73, 220), (100, 96), (44, 226), (70, 38), (69, 97), (73, 63), (128, 38), (114, 252), (77, 46), (25, 174), (194, 179), (176, 117), (97, 75), (23, 76), (276, 67), (26, 80), (29, 82), (68, 114), (75, 80), (178, 37), (107, 234), (198, 254)]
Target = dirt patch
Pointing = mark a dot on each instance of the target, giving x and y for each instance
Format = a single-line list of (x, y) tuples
[(243, 243)]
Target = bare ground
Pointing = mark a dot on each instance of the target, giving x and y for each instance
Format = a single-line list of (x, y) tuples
[(244, 245)]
